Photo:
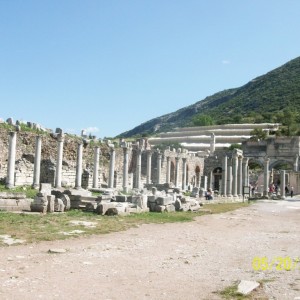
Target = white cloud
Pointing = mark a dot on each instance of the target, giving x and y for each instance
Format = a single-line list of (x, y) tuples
[(91, 129), (225, 62)]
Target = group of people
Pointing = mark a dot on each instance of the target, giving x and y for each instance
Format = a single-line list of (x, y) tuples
[(274, 188)]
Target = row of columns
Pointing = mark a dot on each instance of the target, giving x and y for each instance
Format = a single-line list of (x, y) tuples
[(138, 183), (10, 179), (234, 175)]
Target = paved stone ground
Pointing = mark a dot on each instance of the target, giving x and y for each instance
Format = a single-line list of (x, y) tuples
[(164, 261)]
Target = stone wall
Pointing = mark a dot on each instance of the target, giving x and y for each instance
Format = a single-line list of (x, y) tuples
[(25, 154)]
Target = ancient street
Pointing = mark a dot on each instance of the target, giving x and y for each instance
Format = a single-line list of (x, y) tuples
[(167, 261)]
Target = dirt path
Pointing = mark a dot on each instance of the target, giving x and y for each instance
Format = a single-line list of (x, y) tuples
[(166, 261)]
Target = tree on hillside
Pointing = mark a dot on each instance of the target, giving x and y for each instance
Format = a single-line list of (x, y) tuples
[(203, 120), (258, 134)]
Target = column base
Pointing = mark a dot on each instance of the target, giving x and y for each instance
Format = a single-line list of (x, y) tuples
[(9, 186)]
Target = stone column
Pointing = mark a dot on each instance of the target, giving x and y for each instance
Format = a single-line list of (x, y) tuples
[(138, 169), (96, 167), (10, 179), (177, 172), (149, 163), (296, 163), (245, 171), (282, 184), (234, 174), (224, 176), (111, 178), (210, 181), (229, 179), (184, 173), (78, 167), (168, 179), (240, 176), (266, 176), (212, 143), (37, 162), (158, 167), (204, 182), (60, 151), (125, 169)]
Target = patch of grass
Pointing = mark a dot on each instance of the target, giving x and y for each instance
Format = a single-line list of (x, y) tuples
[(28, 190), (225, 207), (231, 292), (39, 227)]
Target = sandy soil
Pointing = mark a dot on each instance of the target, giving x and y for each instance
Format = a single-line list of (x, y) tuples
[(166, 261)]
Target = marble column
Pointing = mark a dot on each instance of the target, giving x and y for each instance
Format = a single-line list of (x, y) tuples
[(266, 176), (224, 176), (282, 184), (184, 173), (60, 151), (296, 163), (245, 171), (168, 177), (234, 174), (37, 162), (125, 169), (78, 178), (229, 179), (158, 167), (96, 167), (212, 143), (10, 179), (138, 168), (240, 176), (177, 172), (149, 164), (111, 178)]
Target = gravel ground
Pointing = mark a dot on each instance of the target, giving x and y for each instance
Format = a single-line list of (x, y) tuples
[(165, 261)]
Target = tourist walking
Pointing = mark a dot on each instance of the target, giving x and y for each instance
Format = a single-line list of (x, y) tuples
[(292, 192)]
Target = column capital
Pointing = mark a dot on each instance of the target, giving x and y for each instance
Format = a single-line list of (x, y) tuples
[(61, 137), (245, 160)]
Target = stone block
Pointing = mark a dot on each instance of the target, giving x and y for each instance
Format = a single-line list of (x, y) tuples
[(170, 208), (103, 207), (45, 188), (51, 201), (59, 205), (151, 199), (152, 206), (245, 287), (91, 207), (160, 208), (177, 205), (121, 198), (164, 200)]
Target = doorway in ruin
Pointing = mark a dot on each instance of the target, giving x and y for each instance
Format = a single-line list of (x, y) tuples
[(217, 176), (275, 168)]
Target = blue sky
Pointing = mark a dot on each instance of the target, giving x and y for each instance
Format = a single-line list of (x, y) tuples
[(108, 66)]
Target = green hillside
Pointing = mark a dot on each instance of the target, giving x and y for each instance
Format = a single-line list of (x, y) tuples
[(268, 98)]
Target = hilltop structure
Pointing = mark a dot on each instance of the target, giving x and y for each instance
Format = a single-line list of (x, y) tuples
[(209, 138)]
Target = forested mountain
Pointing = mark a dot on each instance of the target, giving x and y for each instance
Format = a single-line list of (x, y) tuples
[(263, 99)]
